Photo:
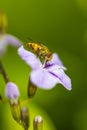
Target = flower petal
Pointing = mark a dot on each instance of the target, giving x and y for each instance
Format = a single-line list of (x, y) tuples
[(11, 91), (12, 40), (61, 76), (42, 79), (56, 60), (29, 58)]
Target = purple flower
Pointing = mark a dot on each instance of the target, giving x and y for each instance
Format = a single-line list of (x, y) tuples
[(45, 76), (11, 91), (6, 40)]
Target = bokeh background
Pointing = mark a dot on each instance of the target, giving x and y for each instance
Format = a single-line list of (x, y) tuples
[(62, 26)]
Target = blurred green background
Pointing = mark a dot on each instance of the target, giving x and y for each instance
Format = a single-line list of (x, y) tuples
[(62, 26)]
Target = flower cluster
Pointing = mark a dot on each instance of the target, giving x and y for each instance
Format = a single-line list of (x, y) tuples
[(44, 75)]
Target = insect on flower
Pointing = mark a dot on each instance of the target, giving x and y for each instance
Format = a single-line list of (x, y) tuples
[(43, 75), (40, 50)]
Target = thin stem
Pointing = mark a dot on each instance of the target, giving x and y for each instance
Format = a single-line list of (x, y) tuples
[(24, 102), (3, 73), (25, 128)]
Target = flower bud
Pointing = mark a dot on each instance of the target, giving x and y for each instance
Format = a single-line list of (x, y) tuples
[(38, 123), (12, 93), (25, 117), (15, 110), (31, 89)]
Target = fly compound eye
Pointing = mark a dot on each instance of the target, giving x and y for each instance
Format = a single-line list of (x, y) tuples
[(49, 56)]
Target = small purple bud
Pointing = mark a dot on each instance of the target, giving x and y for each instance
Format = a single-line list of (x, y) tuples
[(25, 117), (11, 91)]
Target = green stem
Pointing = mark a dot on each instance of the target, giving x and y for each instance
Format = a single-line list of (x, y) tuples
[(25, 128), (3, 73)]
